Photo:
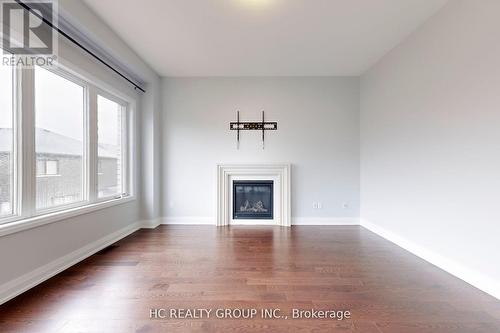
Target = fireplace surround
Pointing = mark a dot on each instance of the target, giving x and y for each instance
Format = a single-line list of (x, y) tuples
[(229, 175)]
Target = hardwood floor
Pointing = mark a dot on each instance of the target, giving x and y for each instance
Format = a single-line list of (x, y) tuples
[(385, 288)]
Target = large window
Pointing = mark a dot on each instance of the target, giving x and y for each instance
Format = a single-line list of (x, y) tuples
[(110, 125), (59, 109), (74, 143), (7, 159)]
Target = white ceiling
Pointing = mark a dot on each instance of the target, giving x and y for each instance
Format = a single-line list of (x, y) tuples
[(263, 37)]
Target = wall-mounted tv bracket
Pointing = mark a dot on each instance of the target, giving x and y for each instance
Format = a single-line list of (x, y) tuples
[(251, 126)]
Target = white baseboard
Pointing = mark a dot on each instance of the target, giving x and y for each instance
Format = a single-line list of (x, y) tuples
[(188, 220), (325, 221), (27, 281), (472, 277), (196, 220), (150, 224)]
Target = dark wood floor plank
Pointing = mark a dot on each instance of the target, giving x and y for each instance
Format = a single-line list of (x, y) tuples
[(344, 268)]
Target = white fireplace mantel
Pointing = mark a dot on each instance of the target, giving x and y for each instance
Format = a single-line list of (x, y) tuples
[(280, 172)]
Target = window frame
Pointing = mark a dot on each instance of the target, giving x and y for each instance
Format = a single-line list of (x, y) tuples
[(25, 214), (45, 163), (16, 159), (65, 74), (125, 160), (56, 164)]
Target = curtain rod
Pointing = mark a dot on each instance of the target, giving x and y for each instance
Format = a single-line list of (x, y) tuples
[(29, 9)]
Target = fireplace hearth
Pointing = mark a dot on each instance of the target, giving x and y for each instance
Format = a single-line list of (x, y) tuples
[(253, 199)]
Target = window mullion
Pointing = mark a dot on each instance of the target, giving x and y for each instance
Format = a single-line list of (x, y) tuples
[(26, 137), (17, 140), (92, 144), (124, 139)]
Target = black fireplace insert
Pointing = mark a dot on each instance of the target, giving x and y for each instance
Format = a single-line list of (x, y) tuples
[(253, 199)]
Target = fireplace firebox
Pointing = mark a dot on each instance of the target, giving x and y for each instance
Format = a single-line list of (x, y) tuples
[(253, 199)]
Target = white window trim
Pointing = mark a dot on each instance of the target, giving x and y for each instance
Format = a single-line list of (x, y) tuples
[(125, 147), (30, 99), (65, 74), (25, 214), (45, 175)]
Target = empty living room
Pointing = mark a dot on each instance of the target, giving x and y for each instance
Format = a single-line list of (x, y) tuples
[(250, 166)]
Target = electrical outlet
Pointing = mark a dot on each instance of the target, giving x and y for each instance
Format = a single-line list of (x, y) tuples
[(317, 205)]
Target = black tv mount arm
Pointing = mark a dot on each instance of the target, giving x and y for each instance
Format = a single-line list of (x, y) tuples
[(252, 126)]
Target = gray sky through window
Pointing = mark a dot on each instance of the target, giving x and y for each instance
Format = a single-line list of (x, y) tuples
[(54, 96), (57, 94), (5, 97)]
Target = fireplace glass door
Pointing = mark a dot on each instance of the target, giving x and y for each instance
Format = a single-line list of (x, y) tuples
[(253, 199)]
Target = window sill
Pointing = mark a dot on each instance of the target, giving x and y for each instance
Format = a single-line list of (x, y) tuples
[(37, 221)]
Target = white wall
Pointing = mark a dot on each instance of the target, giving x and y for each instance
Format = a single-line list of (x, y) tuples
[(31, 255), (430, 142), (318, 132)]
